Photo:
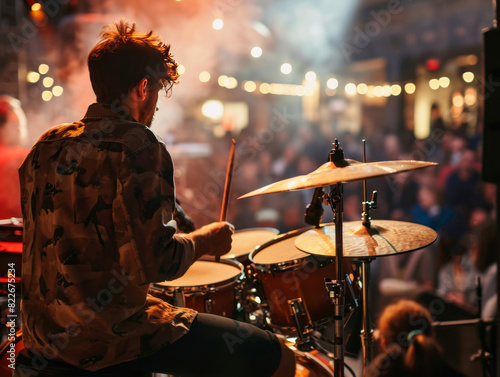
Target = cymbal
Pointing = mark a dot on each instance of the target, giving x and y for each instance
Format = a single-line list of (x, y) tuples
[(343, 171), (382, 238)]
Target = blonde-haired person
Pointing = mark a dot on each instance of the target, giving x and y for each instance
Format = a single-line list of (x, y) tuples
[(408, 346)]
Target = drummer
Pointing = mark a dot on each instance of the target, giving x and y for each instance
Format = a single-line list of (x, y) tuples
[(98, 197)]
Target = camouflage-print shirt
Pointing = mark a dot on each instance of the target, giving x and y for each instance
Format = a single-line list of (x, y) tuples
[(97, 200)]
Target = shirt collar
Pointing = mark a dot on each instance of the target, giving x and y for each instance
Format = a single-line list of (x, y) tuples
[(101, 111)]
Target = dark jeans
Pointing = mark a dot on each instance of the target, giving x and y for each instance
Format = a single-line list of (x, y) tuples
[(216, 346)]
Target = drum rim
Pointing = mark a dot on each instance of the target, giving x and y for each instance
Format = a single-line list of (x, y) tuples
[(207, 287), (289, 264), (315, 359), (267, 229), (233, 256)]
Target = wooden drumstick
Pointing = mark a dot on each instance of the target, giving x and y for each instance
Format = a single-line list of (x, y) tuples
[(227, 187)]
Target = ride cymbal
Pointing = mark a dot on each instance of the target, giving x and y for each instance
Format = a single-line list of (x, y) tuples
[(382, 238), (343, 171)]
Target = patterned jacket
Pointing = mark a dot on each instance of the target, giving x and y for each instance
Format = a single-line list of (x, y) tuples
[(97, 198)]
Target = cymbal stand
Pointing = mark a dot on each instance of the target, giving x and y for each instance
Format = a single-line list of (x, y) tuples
[(367, 332), (336, 288)]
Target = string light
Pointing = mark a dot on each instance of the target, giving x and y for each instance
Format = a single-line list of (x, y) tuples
[(310, 76), (395, 90), (468, 77), (410, 88), (43, 69), (444, 82), (386, 90), (223, 80), (48, 82), (434, 84), (57, 90), (265, 88), (250, 86), (362, 88), (218, 24), (204, 76), (286, 68), (256, 52), (46, 95), (332, 83), (33, 77), (350, 89), (231, 83)]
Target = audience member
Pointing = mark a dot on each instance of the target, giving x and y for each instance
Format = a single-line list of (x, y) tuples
[(408, 346), (13, 135)]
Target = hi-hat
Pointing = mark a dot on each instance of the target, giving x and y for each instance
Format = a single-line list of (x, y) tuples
[(343, 171), (381, 238)]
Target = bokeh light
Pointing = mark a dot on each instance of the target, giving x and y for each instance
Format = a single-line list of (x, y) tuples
[(218, 24), (204, 76), (256, 52), (286, 68)]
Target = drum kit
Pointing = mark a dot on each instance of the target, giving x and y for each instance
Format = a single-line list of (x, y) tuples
[(299, 283)]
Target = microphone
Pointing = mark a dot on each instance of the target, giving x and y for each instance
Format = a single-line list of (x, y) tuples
[(184, 222), (314, 210)]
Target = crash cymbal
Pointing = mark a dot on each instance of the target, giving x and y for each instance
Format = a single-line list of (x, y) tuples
[(383, 237), (336, 172)]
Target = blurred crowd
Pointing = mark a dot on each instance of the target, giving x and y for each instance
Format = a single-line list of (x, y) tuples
[(450, 198)]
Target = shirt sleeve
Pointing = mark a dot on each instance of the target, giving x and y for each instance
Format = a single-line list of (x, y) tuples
[(147, 198)]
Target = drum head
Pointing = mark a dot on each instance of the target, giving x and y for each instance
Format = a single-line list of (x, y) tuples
[(206, 272), (280, 250), (246, 240)]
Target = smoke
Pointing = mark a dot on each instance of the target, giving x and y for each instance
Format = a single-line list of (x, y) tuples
[(186, 25)]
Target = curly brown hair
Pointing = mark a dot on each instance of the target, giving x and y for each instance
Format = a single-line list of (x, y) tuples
[(123, 57)]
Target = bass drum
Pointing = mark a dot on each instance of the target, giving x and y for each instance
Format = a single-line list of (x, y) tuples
[(291, 278)]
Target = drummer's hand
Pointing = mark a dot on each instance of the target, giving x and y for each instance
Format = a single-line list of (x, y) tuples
[(214, 239)]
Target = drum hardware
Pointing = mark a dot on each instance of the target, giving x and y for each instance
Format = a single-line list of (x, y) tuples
[(303, 342), (178, 297), (286, 273)]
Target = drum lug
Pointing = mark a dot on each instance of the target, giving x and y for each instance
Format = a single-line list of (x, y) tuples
[(208, 305), (179, 298)]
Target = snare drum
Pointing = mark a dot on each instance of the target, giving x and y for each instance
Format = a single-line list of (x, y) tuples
[(207, 287), (291, 277), (246, 240)]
